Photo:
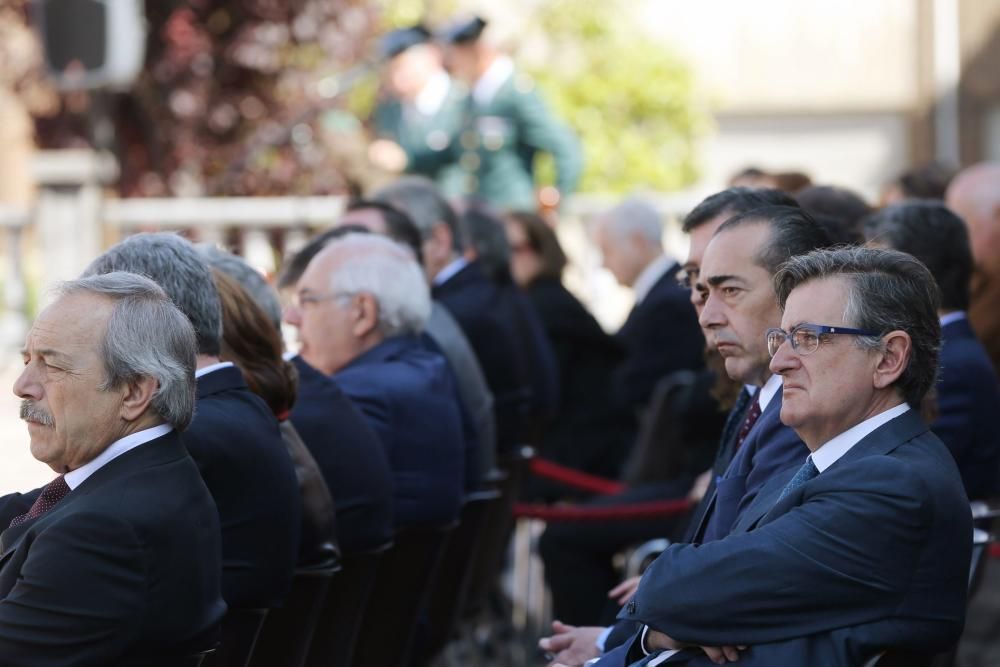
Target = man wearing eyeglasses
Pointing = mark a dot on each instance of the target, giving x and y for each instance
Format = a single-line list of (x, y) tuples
[(360, 307), (865, 547)]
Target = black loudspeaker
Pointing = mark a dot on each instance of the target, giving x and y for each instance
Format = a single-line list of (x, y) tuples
[(91, 43)]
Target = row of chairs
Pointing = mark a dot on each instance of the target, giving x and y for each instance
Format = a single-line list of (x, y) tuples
[(396, 605)]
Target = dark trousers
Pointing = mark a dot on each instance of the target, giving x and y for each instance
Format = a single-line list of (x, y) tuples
[(578, 555)]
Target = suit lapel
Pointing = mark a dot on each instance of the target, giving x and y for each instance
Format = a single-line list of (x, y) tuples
[(881, 441)]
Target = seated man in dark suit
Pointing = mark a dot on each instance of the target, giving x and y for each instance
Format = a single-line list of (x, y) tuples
[(481, 309), (116, 560), (866, 547), (360, 306), (736, 310), (968, 398), (661, 333), (234, 437)]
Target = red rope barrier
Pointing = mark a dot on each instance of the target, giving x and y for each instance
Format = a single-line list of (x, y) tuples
[(575, 478), (654, 509)]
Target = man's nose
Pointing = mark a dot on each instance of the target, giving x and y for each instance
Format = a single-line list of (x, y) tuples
[(291, 314), (27, 385), (712, 314), (784, 359)]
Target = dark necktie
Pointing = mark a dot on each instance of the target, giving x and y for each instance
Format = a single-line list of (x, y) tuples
[(805, 473), (51, 494), (752, 415)]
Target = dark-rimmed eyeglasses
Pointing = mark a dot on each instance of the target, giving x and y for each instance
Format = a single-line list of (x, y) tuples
[(805, 338)]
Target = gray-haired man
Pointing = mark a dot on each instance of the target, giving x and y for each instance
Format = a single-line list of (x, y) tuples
[(117, 559), (234, 437)]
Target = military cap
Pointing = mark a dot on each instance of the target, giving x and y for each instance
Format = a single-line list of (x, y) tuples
[(462, 30), (397, 41)]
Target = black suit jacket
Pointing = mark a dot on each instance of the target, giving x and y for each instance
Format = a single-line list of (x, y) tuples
[(661, 335), (235, 441), (128, 564), (590, 432), (492, 322), (968, 406), (351, 458)]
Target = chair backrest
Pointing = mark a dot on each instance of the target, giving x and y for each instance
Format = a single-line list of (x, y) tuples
[(288, 630), (452, 583), (404, 577), (240, 629), (498, 526), (342, 611)]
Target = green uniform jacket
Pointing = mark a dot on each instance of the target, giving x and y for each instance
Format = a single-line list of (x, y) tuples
[(430, 142), (499, 143)]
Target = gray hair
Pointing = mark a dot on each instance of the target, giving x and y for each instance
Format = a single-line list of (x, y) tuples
[(376, 265), (146, 336), (421, 200), (173, 264), (889, 290), (248, 277), (633, 216)]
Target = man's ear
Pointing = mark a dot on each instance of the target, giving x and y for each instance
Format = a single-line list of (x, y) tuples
[(895, 355), (365, 315), (137, 397)]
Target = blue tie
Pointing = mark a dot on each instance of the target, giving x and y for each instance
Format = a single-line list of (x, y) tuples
[(805, 473)]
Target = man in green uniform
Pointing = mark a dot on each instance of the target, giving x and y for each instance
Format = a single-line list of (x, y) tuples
[(419, 121), (505, 126)]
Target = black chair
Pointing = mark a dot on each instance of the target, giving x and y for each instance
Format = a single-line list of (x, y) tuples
[(288, 630), (342, 611), (498, 526), (240, 629), (404, 577), (454, 573)]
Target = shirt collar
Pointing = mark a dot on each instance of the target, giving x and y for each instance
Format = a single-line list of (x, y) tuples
[(768, 391), (447, 272), (650, 275), (214, 367), (433, 94), (953, 317), (75, 478), (833, 449), (489, 83)]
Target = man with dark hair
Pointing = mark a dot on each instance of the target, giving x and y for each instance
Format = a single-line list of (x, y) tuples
[(839, 210), (115, 561), (234, 437), (926, 181), (847, 556), (968, 399), (737, 307), (479, 307)]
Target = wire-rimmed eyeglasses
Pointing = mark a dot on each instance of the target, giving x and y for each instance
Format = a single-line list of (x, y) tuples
[(805, 338)]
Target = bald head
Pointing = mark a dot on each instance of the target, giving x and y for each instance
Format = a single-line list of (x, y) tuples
[(975, 195)]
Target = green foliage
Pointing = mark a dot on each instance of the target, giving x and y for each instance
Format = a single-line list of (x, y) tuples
[(630, 99)]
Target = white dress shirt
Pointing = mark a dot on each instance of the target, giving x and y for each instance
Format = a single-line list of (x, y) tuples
[(214, 367), (429, 100), (75, 478), (833, 449), (492, 79), (451, 269)]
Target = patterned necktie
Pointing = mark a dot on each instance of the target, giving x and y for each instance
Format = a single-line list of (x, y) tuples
[(51, 494), (805, 473), (752, 415)]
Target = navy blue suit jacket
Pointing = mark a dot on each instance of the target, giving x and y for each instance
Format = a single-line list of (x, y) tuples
[(128, 565), (770, 448), (407, 393), (661, 335), (969, 407), (350, 457), (872, 554), (235, 441), (493, 323)]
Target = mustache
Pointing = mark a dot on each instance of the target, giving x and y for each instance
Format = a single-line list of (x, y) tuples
[(31, 412)]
